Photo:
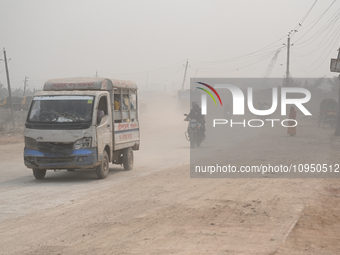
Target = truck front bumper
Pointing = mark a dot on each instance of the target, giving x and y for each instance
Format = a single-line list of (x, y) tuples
[(84, 158)]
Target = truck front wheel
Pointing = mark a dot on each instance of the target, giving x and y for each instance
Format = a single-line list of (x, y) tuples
[(103, 169), (128, 159), (39, 173)]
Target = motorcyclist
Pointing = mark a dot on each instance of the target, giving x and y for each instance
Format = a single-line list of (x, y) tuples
[(196, 113)]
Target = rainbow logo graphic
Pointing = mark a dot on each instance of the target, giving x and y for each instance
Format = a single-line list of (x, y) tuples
[(209, 93)]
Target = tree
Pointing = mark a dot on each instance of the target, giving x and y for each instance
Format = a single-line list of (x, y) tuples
[(334, 83), (3, 91), (18, 92), (318, 83), (306, 84), (291, 82)]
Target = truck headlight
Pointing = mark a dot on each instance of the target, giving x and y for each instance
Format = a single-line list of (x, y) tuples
[(83, 143), (31, 143)]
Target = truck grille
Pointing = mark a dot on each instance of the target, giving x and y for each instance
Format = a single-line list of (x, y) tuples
[(55, 148), (46, 160)]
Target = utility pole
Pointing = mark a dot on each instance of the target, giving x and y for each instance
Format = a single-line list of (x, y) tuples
[(287, 69), (185, 73), (25, 85), (9, 88), (335, 67)]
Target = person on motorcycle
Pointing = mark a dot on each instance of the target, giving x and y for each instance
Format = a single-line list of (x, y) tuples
[(196, 113)]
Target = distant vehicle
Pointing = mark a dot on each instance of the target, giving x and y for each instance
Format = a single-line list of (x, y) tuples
[(327, 113), (5, 103), (82, 123), (26, 101), (195, 132), (2, 102)]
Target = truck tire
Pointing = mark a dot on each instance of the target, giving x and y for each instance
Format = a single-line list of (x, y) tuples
[(39, 173), (128, 159), (103, 169)]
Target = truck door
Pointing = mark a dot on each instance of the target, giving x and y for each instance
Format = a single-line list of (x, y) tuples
[(104, 126)]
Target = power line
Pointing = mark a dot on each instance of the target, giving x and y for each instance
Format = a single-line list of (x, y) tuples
[(327, 56), (244, 57), (238, 61), (330, 46), (327, 26), (233, 59), (317, 20), (295, 60), (303, 19), (240, 68), (320, 43)]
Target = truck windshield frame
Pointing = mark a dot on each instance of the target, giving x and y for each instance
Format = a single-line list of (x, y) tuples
[(61, 109)]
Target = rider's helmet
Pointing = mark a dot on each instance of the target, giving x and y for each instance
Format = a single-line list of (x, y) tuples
[(195, 105)]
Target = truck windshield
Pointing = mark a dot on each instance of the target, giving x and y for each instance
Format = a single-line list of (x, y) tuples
[(61, 109)]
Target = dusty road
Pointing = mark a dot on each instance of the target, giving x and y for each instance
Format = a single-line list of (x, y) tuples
[(157, 209)]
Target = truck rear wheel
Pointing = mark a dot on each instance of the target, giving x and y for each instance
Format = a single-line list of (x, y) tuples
[(103, 169), (128, 159), (39, 173)]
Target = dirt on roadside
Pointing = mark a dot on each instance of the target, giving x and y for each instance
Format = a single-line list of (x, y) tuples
[(315, 219), (8, 133)]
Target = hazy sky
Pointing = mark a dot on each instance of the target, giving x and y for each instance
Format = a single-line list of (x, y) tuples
[(149, 41)]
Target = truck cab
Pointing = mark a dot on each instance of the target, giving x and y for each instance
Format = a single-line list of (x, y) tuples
[(82, 123)]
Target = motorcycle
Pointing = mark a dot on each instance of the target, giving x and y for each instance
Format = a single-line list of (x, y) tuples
[(194, 133)]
